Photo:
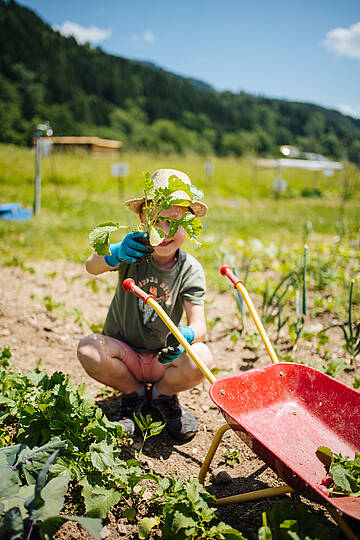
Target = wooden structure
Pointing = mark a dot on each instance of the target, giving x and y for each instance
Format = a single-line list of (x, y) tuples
[(92, 144)]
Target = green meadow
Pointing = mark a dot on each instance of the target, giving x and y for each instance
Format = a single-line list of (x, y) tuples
[(78, 191)]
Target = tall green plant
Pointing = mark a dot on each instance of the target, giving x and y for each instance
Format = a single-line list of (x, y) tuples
[(301, 299), (155, 202), (350, 329), (272, 306)]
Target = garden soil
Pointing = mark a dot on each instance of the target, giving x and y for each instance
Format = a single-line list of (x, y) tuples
[(47, 338)]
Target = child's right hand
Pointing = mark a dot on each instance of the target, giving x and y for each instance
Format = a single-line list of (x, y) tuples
[(130, 250)]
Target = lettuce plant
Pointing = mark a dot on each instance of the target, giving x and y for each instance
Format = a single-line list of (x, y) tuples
[(155, 202)]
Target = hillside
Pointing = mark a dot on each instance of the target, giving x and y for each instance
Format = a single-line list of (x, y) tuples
[(84, 91)]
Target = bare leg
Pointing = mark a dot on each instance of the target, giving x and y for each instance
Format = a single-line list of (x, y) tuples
[(183, 373), (101, 358)]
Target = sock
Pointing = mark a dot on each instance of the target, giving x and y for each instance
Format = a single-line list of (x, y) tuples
[(155, 392), (141, 391)]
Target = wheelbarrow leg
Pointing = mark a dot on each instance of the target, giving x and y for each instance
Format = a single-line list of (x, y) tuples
[(241, 497), (341, 523), (211, 452)]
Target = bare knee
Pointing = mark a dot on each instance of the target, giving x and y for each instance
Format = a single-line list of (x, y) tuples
[(90, 353), (205, 356), (204, 353)]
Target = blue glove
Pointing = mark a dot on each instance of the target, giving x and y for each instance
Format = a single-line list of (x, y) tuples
[(130, 250), (173, 349)]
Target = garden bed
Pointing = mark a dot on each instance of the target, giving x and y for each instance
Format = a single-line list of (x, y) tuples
[(48, 307)]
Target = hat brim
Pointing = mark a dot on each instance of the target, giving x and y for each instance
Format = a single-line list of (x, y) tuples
[(198, 208)]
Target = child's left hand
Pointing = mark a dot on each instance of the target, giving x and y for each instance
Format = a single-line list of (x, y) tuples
[(173, 349)]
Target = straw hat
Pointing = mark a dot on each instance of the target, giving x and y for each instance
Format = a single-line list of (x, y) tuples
[(161, 179)]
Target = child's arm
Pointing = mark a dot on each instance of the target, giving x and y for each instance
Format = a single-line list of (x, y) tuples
[(195, 315), (195, 331), (96, 264), (130, 250)]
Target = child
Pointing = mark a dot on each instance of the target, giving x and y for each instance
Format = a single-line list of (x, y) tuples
[(136, 347)]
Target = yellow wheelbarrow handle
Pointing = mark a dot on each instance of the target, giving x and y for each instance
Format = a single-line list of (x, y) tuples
[(129, 285), (227, 271)]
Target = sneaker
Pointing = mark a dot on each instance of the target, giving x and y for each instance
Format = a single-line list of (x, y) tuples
[(130, 404), (180, 422)]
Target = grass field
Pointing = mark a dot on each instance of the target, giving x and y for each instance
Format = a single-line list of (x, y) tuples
[(45, 309), (78, 191)]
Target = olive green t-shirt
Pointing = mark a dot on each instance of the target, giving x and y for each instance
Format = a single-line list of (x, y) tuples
[(130, 320)]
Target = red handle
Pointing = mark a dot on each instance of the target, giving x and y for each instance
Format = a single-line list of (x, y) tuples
[(129, 286), (227, 271)]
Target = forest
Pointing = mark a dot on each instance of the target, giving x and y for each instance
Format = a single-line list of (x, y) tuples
[(81, 90)]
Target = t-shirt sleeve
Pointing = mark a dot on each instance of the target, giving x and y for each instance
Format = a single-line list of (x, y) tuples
[(193, 286)]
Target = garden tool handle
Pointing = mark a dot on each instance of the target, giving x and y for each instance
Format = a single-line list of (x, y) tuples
[(238, 284), (129, 286)]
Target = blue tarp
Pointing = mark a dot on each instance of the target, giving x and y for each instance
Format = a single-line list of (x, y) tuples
[(14, 212)]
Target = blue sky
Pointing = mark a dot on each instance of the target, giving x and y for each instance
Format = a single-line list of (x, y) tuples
[(304, 51)]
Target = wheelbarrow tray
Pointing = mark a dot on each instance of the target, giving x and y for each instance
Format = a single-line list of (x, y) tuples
[(284, 412)]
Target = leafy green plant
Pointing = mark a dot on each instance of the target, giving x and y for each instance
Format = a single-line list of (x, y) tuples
[(30, 500), (52, 305), (155, 202), (235, 336), (5, 356), (211, 323), (253, 341), (350, 330), (296, 523), (343, 472), (232, 457), (46, 407), (186, 514), (148, 427), (98, 285), (96, 328), (356, 383), (334, 367)]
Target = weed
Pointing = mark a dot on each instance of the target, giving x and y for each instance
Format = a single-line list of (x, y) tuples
[(52, 305), (98, 285), (334, 367), (211, 323), (350, 330), (5, 356), (235, 336), (148, 428), (96, 328), (272, 305), (298, 522), (232, 457), (253, 341)]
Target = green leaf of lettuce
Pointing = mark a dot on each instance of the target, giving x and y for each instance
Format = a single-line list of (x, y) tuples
[(157, 235), (145, 526), (99, 499), (49, 527), (100, 236)]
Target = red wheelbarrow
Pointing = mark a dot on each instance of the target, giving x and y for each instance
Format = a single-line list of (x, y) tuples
[(283, 412)]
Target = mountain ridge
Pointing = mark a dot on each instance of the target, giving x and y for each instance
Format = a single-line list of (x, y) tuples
[(85, 91)]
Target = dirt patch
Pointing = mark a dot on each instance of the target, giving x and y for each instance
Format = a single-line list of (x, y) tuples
[(46, 308)]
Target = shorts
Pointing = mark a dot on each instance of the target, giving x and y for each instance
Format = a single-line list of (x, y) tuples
[(145, 367)]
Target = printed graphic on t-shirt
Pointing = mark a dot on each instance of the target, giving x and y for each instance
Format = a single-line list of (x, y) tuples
[(161, 294)]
